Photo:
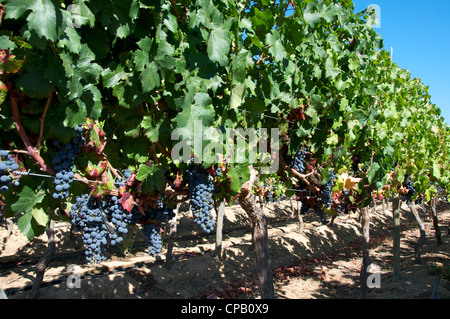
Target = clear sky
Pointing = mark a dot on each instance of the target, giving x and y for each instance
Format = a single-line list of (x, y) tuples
[(419, 33)]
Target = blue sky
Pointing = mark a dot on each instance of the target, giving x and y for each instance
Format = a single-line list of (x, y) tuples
[(419, 33)]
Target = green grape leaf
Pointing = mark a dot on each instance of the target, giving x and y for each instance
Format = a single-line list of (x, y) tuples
[(200, 110), (28, 226), (152, 177), (219, 43), (89, 104), (430, 193), (155, 128), (311, 16), (239, 174), (373, 172), (26, 200), (276, 47), (333, 139), (44, 16), (40, 216), (33, 83), (150, 77), (6, 43), (111, 78), (436, 171)]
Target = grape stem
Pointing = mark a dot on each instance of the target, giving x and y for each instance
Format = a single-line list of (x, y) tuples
[(41, 132), (32, 151), (163, 150), (174, 7), (2, 10), (154, 154), (113, 170)]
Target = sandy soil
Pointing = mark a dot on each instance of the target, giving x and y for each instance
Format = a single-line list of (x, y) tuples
[(321, 262)]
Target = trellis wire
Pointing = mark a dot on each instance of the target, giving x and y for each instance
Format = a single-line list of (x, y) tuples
[(91, 181), (28, 173)]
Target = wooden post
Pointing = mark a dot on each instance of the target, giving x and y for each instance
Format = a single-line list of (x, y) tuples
[(44, 261), (421, 241), (301, 224), (259, 236), (219, 230), (292, 207), (365, 223), (172, 235), (396, 239), (2, 294)]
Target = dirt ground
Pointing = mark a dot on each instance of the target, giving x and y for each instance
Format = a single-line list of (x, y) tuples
[(321, 262)]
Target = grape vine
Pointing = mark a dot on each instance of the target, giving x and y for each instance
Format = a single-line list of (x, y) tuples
[(201, 194)]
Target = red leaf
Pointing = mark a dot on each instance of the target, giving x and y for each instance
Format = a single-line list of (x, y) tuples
[(127, 201), (178, 182), (211, 170), (131, 180)]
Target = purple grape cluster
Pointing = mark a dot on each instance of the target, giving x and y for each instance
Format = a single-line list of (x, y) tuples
[(201, 193), (102, 221), (118, 216), (7, 166), (153, 235), (63, 163), (411, 191), (152, 220), (298, 163), (86, 215), (326, 189)]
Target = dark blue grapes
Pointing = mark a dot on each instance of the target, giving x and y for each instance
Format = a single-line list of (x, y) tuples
[(320, 213), (126, 176), (86, 214), (411, 191), (326, 190), (118, 216), (342, 206), (102, 221), (305, 208), (7, 166), (298, 163), (269, 192), (201, 192), (218, 171), (63, 163), (153, 235), (156, 215), (152, 220)]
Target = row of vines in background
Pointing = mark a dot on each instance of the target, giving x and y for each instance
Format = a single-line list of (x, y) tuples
[(93, 91)]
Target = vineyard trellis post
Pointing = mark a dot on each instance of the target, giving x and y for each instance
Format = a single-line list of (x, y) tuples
[(365, 223), (219, 229), (396, 238), (260, 238), (172, 234), (44, 261)]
